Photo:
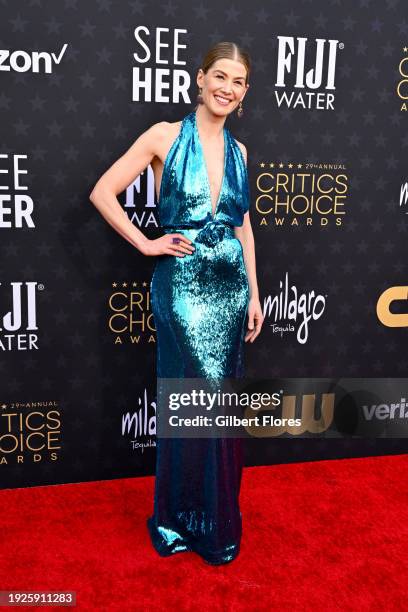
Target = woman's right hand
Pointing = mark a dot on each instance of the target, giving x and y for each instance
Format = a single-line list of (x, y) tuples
[(165, 246)]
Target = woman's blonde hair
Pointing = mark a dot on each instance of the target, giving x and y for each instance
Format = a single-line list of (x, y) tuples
[(226, 50)]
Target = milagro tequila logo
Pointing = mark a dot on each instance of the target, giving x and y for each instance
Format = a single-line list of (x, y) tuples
[(309, 66), (140, 425), (30, 61), (19, 324), (404, 198), (291, 305)]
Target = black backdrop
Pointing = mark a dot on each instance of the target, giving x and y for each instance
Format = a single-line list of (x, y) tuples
[(80, 82)]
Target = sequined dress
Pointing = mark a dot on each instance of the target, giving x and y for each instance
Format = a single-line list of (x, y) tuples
[(199, 303)]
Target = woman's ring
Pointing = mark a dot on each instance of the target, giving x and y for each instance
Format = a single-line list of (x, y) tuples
[(176, 240)]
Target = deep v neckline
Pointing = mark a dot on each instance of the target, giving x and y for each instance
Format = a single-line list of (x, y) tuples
[(213, 214)]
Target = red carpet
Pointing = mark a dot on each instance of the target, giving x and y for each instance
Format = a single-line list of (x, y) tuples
[(328, 535)]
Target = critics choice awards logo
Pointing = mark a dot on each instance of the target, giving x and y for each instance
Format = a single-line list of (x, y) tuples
[(130, 319), (402, 85), (29, 432), (301, 194)]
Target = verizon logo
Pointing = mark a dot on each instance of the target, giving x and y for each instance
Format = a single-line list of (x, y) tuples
[(30, 61)]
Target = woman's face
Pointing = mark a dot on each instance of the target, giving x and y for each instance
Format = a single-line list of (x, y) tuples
[(223, 86)]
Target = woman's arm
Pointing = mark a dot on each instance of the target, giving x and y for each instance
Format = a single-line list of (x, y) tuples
[(245, 235), (246, 238), (121, 174)]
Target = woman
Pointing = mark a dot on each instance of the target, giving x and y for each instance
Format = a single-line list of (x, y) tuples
[(203, 287)]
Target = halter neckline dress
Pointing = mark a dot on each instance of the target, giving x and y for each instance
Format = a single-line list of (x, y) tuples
[(199, 304)]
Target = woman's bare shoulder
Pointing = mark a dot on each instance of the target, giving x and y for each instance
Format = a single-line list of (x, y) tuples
[(164, 129), (160, 136)]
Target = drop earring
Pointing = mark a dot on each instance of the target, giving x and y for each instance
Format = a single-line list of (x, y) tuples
[(199, 96), (240, 110)]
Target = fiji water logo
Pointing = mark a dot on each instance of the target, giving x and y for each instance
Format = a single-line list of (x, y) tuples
[(292, 311), (140, 200), (310, 68), (18, 322)]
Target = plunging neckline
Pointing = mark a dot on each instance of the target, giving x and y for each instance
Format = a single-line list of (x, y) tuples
[(206, 169)]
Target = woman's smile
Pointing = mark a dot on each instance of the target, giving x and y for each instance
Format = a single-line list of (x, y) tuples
[(222, 100)]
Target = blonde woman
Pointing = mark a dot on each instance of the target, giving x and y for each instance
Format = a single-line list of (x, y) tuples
[(204, 295)]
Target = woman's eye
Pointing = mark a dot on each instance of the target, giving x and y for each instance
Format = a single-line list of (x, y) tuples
[(219, 76)]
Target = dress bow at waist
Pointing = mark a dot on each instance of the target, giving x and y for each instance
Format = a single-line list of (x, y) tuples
[(211, 232)]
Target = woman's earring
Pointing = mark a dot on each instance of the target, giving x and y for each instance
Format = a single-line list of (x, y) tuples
[(240, 110), (199, 96)]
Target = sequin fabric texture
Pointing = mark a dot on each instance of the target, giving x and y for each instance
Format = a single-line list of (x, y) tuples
[(199, 303)]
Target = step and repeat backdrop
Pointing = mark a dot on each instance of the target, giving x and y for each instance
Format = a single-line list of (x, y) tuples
[(325, 124)]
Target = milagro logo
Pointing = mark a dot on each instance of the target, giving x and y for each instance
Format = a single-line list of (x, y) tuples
[(140, 425), (404, 197), (30, 61), (288, 306), (309, 66), (19, 324)]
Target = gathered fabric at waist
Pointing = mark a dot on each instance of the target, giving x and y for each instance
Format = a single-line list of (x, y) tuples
[(206, 232)]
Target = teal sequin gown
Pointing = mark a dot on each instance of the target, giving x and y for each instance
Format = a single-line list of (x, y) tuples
[(199, 303)]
